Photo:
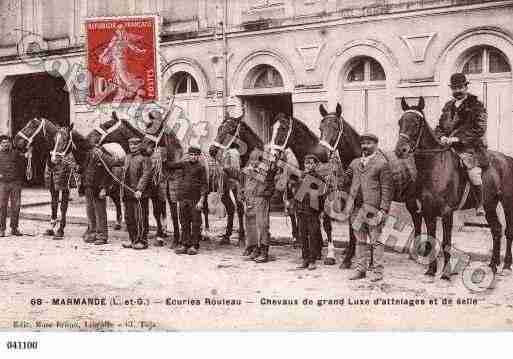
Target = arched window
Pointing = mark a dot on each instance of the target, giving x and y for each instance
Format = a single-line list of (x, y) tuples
[(182, 83), (485, 60), (365, 69), (264, 76)]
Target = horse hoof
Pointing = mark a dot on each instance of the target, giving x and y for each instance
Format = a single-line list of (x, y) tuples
[(430, 273), (58, 238), (445, 277), (117, 227), (329, 261), (345, 265), (49, 232), (158, 243), (506, 272)]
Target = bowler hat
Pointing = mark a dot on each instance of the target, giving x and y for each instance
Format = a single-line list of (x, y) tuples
[(369, 136), (458, 79), (311, 156)]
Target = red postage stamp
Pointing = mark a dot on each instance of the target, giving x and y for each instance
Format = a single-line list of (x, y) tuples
[(122, 59)]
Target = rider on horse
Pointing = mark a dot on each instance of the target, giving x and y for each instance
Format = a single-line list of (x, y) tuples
[(462, 125)]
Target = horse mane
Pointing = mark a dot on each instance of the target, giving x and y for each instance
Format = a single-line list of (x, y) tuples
[(258, 140), (305, 129), (351, 148)]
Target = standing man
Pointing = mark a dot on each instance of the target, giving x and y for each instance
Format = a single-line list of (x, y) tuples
[(12, 171), (369, 199), (462, 125), (137, 174), (190, 194)]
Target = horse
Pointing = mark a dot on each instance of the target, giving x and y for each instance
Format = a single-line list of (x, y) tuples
[(291, 133), (234, 133), (43, 131), (442, 182), (337, 135), (119, 131)]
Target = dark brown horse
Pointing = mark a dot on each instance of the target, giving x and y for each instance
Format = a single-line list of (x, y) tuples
[(43, 131), (442, 182), (234, 133), (338, 135)]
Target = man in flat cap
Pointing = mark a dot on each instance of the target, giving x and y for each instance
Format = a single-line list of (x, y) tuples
[(462, 125), (308, 212), (369, 201), (190, 194), (137, 174)]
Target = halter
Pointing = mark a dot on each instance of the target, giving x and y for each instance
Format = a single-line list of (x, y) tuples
[(31, 138), (235, 135), (104, 133), (281, 148), (71, 144), (335, 145)]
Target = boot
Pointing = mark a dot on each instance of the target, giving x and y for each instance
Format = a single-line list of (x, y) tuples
[(478, 190), (181, 250), (248, 250), (16, 232), (264, 255), (140, 245), (225, 239), (357, 275), (303, 265), (254, 254)]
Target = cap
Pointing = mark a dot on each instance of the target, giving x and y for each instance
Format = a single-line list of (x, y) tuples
[(311, 156), (193, 150), (369, 136), (458, 79), (155, 114)]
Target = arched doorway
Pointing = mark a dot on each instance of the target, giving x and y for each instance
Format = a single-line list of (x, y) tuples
[(489, 73), (364, 96), (265, 97), (39, 95)]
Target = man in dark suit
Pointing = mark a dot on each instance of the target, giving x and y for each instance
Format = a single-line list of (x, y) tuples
[(137, 174), (463, 126), (369, 201)]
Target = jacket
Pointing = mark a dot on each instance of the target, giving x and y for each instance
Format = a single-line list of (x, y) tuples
[(305, 205), (12, 166), (193, 184), (468, 123), (137, 174), (371, 185), (253, 185)]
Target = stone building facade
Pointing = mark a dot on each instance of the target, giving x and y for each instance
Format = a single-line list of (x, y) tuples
[(270, 56)]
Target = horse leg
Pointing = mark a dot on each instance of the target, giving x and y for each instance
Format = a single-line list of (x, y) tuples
[(351, 247), (330, 255), (240, 215), (54, 194), (230, 210), (205, 214), (157, 213), (431, 231), (114, 195), (416, 217), (447, 222), (496, 230), (64, 210), (508, 212)]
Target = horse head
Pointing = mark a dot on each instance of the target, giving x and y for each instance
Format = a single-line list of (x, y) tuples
[(331, 128), (63, 143), (282, 130), (227, 132), (29, 133), (411, 125)]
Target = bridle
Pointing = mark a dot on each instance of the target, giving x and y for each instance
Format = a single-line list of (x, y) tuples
[(104, 133), (282, 147), (232, 139), (30, 139), (339, 136), (419, 134), (70, 145)]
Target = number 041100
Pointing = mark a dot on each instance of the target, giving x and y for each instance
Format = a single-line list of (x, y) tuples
[(21, 345)]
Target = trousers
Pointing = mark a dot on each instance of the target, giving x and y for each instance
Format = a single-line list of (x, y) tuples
[(256, 219), (136, 219), (96, 209), (190, 221), (10, 191), (367, 247), (309, 228)]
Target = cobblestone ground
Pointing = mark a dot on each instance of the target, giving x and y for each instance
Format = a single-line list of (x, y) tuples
[(180, 291)]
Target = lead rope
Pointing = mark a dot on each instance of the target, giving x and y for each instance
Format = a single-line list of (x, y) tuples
[(29, 173)]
